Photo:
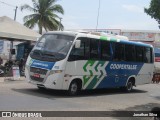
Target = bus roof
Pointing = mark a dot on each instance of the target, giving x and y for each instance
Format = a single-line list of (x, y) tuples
[(97, 35), (71, 33)]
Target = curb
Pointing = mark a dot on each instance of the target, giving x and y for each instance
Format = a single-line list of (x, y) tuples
[(6, 79)]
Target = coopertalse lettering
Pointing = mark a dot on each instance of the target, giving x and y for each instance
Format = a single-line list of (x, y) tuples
[(123, 66)]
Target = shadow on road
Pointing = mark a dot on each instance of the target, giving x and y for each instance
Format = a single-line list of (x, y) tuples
[(63, 94), (137, 108)]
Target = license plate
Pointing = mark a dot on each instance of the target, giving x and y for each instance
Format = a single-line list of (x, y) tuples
[(36, 75), (157, 59)]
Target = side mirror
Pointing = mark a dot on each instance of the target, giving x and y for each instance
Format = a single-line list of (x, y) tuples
[(78, 44)]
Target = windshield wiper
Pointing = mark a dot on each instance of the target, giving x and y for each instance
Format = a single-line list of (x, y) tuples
[(37, 51), (49, 54)]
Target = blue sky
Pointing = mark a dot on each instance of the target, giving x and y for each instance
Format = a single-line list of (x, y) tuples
[(82, 14)]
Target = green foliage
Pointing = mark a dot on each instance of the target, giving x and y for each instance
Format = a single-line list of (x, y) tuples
[(44, 15), (154, 10)]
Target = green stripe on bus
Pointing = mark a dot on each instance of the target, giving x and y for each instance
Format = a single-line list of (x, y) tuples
[(113, 39), (90, 63), (99, 63), (86, 78), (103, 38), (92, 83), (108, 39)]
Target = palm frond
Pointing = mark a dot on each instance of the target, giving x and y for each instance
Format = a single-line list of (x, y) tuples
[(44, 15), (51, 14), (42, 6), (31, 21), (57, 23), (27, 7), (51, 24), (57, 8), (28, 17), (51, 2), (35, 4)]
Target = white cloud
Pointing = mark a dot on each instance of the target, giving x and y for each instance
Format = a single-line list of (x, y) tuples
[(133, 8)]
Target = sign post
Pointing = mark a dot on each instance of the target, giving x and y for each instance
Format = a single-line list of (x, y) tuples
[(16, 73)]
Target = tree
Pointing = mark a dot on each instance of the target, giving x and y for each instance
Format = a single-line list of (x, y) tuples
[(154, 10), (44, 15)]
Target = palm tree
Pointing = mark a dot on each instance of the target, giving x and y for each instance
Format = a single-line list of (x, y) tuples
[(44, 15)]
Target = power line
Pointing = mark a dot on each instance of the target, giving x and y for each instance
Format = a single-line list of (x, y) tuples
[(7, 4)]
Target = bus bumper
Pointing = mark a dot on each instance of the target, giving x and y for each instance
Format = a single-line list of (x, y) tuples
[(53, 81)]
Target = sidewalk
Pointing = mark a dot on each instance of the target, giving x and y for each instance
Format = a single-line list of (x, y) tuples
[(3, 79)]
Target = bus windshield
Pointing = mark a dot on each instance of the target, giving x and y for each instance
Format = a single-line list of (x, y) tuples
[(52, 47)]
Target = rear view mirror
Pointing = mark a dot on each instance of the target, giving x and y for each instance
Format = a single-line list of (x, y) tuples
[(78, 44)]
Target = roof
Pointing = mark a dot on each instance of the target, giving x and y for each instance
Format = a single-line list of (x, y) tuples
[(12, 30), (141, 31), (71, 33), (101, 36)]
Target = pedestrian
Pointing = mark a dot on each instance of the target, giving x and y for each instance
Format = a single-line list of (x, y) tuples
[(1, 61), (21, 64)]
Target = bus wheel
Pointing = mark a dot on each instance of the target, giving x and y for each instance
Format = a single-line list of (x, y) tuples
[(41, 88), (129, 86), (73, 88)]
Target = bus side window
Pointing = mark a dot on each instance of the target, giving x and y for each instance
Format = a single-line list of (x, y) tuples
[(118, 52), (139, 53), (81, 53), (130, 53), (147, 55), (105, 51), (94, 49)]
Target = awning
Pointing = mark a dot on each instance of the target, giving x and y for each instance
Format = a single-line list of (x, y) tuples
[(14, 31)]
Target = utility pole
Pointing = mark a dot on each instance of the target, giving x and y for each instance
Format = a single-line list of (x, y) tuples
[(15, 13), (98, 14), (11, 44)]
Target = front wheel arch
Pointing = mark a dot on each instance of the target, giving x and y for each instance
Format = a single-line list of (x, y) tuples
[(133, 79), (75, 83), (129, 85)]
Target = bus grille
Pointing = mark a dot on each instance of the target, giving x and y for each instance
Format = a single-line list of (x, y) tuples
[(38, 70), (37, 79)]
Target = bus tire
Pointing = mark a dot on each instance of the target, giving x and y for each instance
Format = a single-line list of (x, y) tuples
[(41, 88), (73, 88), (129, 86)]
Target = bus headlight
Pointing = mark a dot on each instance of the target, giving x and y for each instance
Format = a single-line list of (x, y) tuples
[(55, 71)]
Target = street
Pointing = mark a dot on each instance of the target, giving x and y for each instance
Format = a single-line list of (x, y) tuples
[(22, 96)]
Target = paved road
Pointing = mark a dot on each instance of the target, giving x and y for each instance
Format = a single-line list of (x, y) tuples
[(22, 96)]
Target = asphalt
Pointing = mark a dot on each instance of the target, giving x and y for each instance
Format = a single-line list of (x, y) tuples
[(18, 95)]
